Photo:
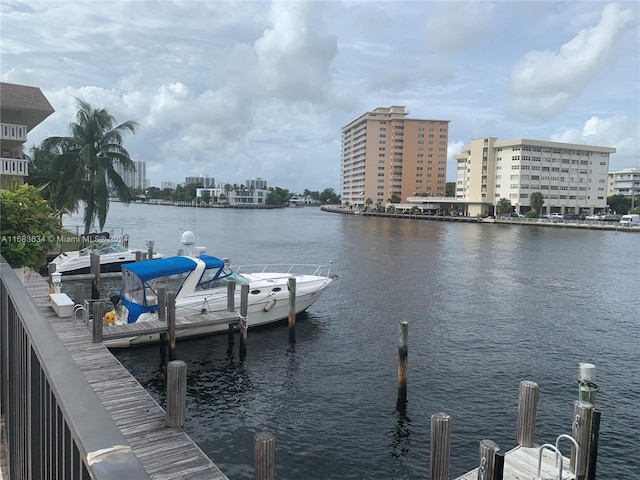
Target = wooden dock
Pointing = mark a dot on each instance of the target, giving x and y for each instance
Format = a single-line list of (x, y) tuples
[(521, 463), (166, 453)]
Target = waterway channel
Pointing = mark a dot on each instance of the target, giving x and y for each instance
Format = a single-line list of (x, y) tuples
[(488, 305)]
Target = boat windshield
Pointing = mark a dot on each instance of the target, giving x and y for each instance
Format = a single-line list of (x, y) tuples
[(102, 248), (146, 292), (219, 277)]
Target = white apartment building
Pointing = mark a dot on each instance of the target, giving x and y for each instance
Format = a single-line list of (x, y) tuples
[(245, 195), (624, 182), (22, 108), (572, 178), (386, 154), (136, 178)]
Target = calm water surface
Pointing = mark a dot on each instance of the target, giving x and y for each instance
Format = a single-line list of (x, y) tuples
[(487, 306)]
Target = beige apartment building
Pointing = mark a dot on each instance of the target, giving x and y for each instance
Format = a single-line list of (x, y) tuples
[(22, 108), (624, 182), (572, 178), (386, 154)]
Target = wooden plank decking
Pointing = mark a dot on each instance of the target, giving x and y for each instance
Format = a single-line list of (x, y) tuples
[(521, 463), (166, 453)]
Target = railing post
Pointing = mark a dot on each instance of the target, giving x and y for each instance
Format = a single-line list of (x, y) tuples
[(176, 393), (527, 407)]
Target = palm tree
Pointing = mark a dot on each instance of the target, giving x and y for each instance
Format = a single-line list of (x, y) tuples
[(97, 145), (536, 200)]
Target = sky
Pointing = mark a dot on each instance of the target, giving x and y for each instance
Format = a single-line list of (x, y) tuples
[(242, 90)]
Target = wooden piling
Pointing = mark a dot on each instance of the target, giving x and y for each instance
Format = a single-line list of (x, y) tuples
[(176, 393), (292, 308), (593, 444), (171, 323), (78, 294), (498, 470), (527, 407), (403, 339), (94, 260), (440, 446), (488, 449), (244, 303), (587, 387), (264, 456), (138, 256), (581, 433), (98, 314), (162, 304), (51, 268), (231, 296), (150, 244)]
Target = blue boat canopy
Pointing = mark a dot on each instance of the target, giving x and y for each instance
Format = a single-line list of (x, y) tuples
[(169, 266)]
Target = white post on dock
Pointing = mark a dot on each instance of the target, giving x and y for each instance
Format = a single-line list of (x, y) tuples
[(527, 407), (176, 393), (587, 382), (264, 456), (581, 433), (440, 446)]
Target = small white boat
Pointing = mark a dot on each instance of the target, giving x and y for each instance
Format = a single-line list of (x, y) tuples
[(296, 202), (201, 286), (112, 256)]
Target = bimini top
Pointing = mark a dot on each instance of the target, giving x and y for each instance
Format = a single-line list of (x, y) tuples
[(149, 269)]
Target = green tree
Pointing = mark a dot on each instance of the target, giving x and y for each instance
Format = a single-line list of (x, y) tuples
[(95, 143), (59, 177), (504, 206), (395, 198), (536, 200), (619, 204), (277, 196), (329, 196), (450, 189), (28, 227)]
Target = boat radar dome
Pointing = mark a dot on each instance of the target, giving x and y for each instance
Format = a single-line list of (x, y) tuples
[(188, 238)]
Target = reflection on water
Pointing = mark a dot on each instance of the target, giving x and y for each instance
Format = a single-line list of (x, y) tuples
[(487, 306)]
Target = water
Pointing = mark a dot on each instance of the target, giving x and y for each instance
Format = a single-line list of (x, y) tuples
[(487, 306)]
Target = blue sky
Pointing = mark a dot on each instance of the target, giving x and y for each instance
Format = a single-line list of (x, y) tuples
[(239, 90)]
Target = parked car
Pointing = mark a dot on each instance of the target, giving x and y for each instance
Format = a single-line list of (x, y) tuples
[(592, 217), (611, 218), (631, 220)]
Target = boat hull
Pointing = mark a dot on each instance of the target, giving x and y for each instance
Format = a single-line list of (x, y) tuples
[(264, 307)]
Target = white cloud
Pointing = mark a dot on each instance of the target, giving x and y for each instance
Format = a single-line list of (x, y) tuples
[(544, 83)]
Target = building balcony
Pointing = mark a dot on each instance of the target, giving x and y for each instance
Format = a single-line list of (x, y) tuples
[(10, 131), (14, 166)]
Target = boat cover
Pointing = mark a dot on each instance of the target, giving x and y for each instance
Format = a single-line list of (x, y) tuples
[(149, 269)]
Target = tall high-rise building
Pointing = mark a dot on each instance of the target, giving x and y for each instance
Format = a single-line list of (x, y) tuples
[(136, 178), (204, 180), (386, 155), (256, 183)]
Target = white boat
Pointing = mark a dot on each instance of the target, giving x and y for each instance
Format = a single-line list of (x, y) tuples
[(112, 256), (201, 286), (296, 202)]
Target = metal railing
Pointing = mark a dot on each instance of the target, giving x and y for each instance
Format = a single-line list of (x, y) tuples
[(55, 424)]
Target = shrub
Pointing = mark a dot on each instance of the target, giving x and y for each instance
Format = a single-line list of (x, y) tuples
[(531, 214), (28, 227)]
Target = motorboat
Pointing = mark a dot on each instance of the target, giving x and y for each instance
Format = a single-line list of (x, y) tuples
[(201, 286), (112, 256), (296, 202)]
